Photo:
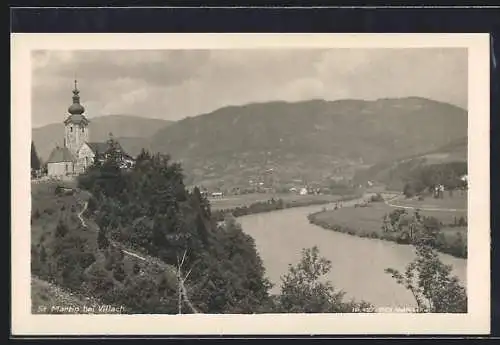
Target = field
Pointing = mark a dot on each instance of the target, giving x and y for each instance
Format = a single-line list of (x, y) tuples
[(456, 202), (248, 199), (367, 221)]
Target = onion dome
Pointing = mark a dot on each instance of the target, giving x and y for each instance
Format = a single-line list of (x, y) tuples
[(76, 108)]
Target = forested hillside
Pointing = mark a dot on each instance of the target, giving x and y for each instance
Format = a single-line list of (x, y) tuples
[(148, 211), (309, 140), (445, 165)]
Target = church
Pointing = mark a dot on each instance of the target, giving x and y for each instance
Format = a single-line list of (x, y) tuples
[(77, 153)]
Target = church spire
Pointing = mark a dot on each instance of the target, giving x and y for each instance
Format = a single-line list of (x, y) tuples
[(76, 93), (76, 108)]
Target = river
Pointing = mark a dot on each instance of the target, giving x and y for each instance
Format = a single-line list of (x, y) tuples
[(357, 263)]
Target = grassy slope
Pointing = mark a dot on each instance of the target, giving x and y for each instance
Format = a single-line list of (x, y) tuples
[(52, 208), (47, 298)]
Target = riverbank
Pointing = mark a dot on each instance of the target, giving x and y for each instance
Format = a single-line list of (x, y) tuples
[(280, 237), (279, 204), (366, 222)]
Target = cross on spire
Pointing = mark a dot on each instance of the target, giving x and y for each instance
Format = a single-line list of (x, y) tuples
[(76, 108)]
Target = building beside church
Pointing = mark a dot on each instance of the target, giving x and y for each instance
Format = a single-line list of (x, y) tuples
[(77, 153)]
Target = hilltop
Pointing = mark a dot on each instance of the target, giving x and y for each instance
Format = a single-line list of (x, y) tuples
[(306, 141), (133, 132)]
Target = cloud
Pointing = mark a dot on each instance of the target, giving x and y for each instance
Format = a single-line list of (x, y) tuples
[(177, 83)]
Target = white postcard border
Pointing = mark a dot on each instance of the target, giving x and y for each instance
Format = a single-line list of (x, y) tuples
[(476, 321)]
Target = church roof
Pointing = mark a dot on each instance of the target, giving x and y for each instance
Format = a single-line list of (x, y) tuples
[(98, 147), (76, 119), (60, 154)]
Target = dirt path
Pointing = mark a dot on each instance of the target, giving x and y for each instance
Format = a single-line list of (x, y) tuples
[(389, 203), (149, 260), (85, 205)]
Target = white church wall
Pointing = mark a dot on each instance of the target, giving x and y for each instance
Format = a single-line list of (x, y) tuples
[(59, 169), (85, 158)]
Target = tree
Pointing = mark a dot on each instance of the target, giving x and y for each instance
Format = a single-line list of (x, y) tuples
[(304, 289), (408, 190), (395, 221), (429, 280), (102, 240), (43, 254), (35, 160)]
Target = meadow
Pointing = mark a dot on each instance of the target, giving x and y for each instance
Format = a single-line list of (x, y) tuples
[(368, 221), (457, 201)]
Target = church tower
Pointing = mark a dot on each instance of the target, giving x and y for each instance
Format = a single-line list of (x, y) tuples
[(76, 131)]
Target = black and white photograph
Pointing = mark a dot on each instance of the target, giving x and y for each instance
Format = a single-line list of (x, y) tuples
[(256, 180)]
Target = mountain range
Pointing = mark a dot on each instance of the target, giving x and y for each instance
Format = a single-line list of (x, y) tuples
[(307, 141), (133, 132), (285, 142)]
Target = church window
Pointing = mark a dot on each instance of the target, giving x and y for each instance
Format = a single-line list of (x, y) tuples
[(71, 129)]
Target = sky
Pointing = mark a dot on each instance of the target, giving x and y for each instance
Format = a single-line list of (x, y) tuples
[(173, 84)]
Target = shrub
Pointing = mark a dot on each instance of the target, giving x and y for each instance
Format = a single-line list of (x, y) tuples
[(61, 230), (462, 221), (377, 198), (403, 238), (136, 269), (99, 282), (36, 214), (119, 272), (59, 190)]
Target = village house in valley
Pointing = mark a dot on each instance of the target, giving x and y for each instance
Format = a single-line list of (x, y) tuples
[(77, 153)]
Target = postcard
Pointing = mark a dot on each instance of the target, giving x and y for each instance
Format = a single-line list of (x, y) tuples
[(250, 184)]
